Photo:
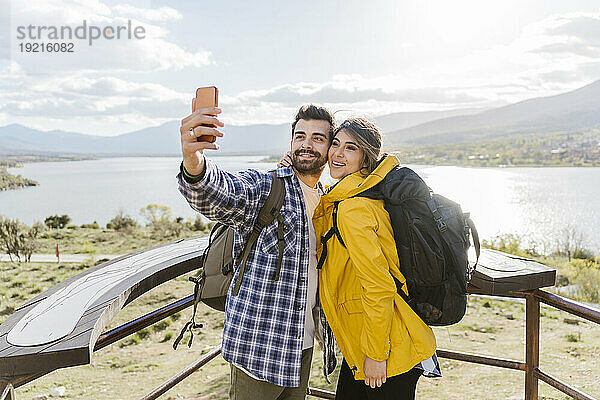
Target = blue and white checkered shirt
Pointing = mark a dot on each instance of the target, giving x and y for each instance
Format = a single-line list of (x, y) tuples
[(264, 324)]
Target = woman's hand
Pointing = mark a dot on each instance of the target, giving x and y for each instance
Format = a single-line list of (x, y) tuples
[(286, 160), (375, 372)]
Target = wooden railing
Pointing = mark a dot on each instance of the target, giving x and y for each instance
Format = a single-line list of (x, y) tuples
[(533, 374)]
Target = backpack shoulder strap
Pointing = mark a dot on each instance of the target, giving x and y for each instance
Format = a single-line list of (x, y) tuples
[(329, 234), (266, 215)]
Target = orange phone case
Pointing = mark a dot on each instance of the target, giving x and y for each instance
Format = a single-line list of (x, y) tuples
[(206, 97)]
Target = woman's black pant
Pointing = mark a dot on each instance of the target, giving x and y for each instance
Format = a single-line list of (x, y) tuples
[(399, 387)]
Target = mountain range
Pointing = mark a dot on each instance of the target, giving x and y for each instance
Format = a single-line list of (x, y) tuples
[(574, 111), (568, 112)]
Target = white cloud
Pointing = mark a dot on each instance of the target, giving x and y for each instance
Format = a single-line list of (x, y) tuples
[(551, 56), (157, 15), (87, 105), (557, 54), (153, 50)]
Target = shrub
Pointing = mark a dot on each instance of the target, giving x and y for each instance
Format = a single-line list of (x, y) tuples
[(18, 239), (156, 214), (159, 217), (584, 254), (507, 243), (93, 225), (121, 222), (161, 325), (56, 221), (143, 334), (168, 336), (197, 225), (573, 338), (586, 275)]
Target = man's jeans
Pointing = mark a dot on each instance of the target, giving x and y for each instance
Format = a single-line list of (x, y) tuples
[(244, 387)]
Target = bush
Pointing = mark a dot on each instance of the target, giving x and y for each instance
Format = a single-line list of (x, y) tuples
[(168, 336), (18, 239), (156, 214), (586, 275), (57, 222), (159, 217), (573, 338), (197, 225), (121, 222), (507, 243), (93, 225), (584, 254)]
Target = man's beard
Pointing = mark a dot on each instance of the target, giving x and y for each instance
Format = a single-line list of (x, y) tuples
[(308, 167)]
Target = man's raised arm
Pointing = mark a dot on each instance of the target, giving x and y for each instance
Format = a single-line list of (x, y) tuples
[(219, 195)]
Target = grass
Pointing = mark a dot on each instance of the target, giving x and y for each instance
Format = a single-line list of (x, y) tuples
[(135, 365), (103, 241)]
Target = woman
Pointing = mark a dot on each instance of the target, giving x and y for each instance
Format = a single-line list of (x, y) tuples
[(384, 342)]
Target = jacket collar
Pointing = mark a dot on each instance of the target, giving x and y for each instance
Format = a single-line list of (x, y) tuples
[(355, 183)]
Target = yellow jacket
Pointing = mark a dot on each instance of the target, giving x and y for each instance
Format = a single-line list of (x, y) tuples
[(358, 294)]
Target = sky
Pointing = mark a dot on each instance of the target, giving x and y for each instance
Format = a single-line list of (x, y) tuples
[(267, 58)]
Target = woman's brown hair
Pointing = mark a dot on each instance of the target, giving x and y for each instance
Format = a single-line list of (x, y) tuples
[(367, 137)]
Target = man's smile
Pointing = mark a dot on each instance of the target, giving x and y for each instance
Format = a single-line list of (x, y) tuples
[(306, 155)]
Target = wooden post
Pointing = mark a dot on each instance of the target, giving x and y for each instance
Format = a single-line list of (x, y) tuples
[(7, 392), (532, 343)]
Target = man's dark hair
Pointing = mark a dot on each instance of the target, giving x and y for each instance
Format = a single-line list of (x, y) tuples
[(312, 111)]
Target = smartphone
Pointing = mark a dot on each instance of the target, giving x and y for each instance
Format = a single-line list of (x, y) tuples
[(206, 97)]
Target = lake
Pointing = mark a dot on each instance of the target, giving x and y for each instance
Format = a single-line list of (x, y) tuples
[(538, 203)]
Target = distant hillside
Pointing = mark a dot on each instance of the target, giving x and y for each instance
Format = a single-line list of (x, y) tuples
[(164, 139), (393, 122), (159, 140), (569, 112), (574, 111)]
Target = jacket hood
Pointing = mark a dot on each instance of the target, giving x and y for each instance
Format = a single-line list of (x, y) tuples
[(355, 183)]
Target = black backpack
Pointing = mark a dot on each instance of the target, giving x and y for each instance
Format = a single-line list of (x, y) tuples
[(432, 238), (212, 281)]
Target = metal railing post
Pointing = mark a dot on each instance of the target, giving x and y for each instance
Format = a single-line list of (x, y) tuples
[(7, 391), (532, 343)]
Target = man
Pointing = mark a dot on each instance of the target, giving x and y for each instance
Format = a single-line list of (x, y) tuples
[(269, 325)]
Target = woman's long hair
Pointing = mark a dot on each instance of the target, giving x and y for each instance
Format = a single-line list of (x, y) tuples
[(367, 137)]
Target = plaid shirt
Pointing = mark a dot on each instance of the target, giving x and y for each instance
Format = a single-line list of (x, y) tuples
[(264, 324)]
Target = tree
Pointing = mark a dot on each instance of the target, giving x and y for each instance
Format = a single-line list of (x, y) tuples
[(56, 221), (31, 243), (159, 217), (571, 240), (18, 239), (156, 214)]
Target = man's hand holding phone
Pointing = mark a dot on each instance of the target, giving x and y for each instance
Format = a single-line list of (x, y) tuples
[(201, 123)]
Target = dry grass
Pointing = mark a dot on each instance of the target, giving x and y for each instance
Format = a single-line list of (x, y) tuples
[(104, 241)]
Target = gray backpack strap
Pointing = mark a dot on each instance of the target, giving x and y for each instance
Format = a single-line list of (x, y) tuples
[(268, 213)]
